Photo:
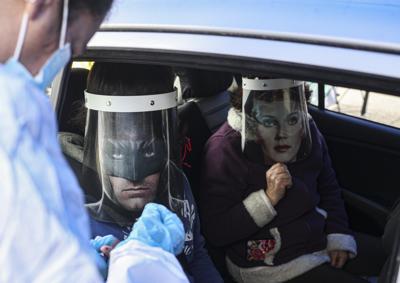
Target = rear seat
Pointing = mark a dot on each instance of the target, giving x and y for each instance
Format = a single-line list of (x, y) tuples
[(75, 94), (206, 106), (209, 91), (70, 136), (72, 128), (205, 110)]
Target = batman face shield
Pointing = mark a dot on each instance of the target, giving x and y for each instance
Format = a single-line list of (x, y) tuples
[(133, 148), (130, 147)]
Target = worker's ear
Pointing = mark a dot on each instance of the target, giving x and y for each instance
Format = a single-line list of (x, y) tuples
[(36, 7)]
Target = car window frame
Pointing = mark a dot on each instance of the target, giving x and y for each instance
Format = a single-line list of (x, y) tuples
[(239, 64)]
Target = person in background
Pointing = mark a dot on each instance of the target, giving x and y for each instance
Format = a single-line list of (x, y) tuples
[(44, 225), (270, 196)]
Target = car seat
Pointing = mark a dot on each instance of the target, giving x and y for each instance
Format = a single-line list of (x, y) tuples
[(206, 106), (70, 136), (205, 109), (69, 105), (72, 128)]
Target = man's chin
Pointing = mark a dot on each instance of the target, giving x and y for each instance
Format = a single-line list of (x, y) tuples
[(135, 209), (136, 206)]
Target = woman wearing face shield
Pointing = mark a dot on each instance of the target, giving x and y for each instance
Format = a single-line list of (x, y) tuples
[(44, 225), (270, 196)]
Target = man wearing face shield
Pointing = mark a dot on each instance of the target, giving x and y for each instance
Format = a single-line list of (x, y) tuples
[(44, 225), (131, 147), (270, 195)]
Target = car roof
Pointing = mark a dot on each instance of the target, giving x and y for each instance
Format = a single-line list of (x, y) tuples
[(350, 43), (365, 24)]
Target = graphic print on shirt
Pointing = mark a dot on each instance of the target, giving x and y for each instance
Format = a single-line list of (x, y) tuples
[(126, 230), (264, 250), (189, 215), (258, 249)]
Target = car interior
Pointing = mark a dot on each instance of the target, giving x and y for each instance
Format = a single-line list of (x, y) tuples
[(365, 154)]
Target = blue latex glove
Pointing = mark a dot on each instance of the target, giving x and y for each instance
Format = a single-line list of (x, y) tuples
[(100, 241), (101, 260), (158, 227)]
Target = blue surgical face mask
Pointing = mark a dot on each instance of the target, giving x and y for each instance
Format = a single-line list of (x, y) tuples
[(56, 62), (53, 66)]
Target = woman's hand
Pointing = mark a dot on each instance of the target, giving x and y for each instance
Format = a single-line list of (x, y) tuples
[(338, 258), (278, 180)]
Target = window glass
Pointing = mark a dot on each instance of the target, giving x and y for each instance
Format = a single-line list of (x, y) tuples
[(376, 107)]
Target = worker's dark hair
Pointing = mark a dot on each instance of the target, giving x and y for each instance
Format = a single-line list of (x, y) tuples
[(97, 8)]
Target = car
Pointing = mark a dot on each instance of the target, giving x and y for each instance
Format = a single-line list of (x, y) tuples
[(335, 45)]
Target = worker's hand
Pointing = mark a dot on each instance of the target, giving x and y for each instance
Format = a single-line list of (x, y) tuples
[(158, 227), (338, 258), (278, 180)]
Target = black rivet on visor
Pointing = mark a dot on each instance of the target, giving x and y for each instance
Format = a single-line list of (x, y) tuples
[(109, 103), (152, 102)]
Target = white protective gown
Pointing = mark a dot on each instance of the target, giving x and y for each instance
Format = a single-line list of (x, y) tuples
[(44, 228), (43, 222), (136, 262)]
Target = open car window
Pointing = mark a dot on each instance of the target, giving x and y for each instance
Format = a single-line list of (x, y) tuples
[(369, 105)]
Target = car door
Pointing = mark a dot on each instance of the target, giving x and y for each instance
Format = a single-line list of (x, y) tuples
[(366, 158)]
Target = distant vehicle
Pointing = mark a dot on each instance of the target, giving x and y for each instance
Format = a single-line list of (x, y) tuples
[(352, 44)]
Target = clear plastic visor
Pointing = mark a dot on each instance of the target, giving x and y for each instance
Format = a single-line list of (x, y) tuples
[(135, 157)]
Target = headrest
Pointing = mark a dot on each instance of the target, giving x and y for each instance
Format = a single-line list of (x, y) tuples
[(74, 97), (201, 83), (77, 83)]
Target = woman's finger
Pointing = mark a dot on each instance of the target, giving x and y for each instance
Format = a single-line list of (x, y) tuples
[(342, 258), (334, 258)]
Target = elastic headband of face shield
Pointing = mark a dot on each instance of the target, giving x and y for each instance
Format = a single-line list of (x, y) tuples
[(134, 147)]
